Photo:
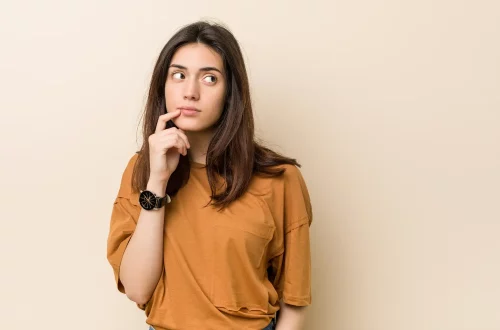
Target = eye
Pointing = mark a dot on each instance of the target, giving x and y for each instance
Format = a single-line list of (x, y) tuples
[(210, 79), (178, 75)]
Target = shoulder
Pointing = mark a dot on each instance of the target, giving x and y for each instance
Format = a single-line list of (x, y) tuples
[(292, 175), (126, 180), (292, 172), (287, 193), (296, 196), (291, 179)]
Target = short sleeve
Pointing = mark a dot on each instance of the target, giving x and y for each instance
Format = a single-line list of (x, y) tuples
[(124, 216), (292, 268)]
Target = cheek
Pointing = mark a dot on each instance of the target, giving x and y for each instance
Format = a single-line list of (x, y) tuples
[(218, 99), (170, 96), (169, 92)]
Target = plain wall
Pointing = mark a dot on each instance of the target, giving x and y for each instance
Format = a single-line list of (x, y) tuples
[(392, 108)]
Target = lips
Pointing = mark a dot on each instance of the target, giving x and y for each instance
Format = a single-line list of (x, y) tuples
[(189, 109)]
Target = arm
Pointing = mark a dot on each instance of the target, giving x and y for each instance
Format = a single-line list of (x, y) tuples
[(142, 261), (291, 317), (293, 278)]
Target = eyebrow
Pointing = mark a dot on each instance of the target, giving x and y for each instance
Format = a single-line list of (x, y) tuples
[(207, 68)]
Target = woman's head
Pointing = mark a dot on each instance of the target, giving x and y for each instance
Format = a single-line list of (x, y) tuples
[(202, 68), (195, 84)]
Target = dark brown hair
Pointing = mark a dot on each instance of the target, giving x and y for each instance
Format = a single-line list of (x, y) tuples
[(233, 154)]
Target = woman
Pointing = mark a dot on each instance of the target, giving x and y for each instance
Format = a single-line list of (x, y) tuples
[(209, 230)]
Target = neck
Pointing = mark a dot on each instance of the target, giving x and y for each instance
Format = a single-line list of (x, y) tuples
[(199, 142)]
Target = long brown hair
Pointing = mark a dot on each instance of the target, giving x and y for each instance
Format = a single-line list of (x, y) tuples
[(233, 154)]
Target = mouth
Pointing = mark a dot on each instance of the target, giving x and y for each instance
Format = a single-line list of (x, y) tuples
[(189, 111)]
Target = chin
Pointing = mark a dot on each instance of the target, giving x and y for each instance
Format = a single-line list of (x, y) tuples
[(189, 125)]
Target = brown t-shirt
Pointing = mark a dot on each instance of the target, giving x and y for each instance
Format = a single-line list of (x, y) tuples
[(223, 269)]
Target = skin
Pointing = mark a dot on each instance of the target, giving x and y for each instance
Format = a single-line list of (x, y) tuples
[(195, 78), (291, 317)]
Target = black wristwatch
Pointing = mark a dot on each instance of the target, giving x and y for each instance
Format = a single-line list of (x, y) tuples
[(149, 201)]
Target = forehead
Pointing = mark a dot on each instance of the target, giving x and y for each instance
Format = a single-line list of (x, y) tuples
[(197, 55)]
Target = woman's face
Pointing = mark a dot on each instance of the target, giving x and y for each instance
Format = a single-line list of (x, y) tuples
[(195, 85)]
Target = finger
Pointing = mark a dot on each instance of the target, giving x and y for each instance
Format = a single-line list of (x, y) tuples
[(174, 141), (172, 131), (177, 133), (162, 120), (180, 145), (184, 145), (184, 137)]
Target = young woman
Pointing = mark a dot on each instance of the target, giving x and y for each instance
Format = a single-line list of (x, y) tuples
[(210, 229)]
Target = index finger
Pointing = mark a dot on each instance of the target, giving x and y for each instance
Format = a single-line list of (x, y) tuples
[(162, 120)]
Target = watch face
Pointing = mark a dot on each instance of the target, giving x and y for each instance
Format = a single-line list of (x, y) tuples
[(147, 200)]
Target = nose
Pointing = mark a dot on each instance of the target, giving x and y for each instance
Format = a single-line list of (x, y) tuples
[(191, 91)]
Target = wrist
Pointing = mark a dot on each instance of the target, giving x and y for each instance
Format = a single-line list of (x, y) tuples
[(156, 186)]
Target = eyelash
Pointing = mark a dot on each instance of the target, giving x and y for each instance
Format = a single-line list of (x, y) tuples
[(215, 79), (211, 76), (173, 74)]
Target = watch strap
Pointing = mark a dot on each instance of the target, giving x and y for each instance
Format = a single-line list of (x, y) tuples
[(161, 201)]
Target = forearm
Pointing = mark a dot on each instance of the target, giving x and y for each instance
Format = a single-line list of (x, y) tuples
[(142, 261), (291, 317)]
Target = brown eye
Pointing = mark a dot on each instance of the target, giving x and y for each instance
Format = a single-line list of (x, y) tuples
[(178, 75), (210, 79)]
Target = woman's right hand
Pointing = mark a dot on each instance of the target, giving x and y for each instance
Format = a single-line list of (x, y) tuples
[(165, 148)]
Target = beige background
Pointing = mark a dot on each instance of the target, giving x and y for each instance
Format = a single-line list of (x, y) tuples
[(392, 107)]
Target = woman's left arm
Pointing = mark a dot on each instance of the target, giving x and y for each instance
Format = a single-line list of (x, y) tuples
[(291, 317), (293, 267)]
